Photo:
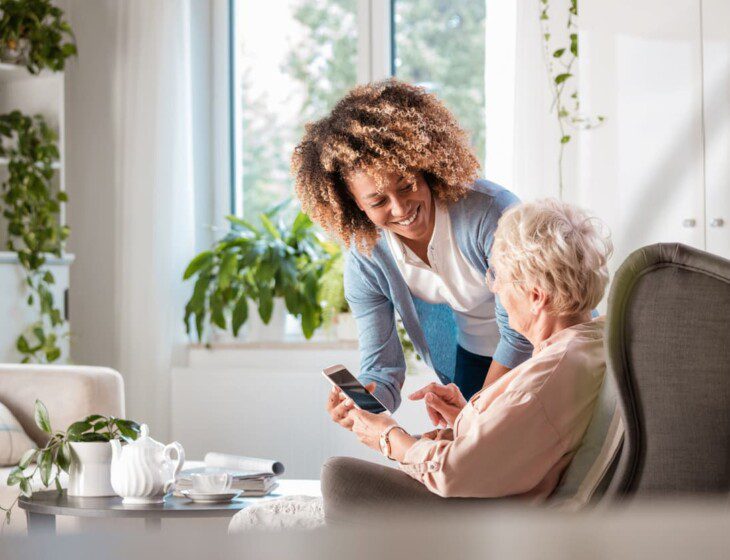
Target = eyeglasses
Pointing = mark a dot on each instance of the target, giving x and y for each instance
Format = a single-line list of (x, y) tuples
[(492, 280)]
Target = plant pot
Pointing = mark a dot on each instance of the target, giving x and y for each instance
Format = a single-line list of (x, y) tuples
[(17, 53), (274, 331), (90, 471), (346, 327)]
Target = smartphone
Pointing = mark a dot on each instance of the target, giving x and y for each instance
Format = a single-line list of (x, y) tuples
[(340, 377)]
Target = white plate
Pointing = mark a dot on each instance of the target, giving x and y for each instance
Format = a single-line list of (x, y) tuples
[(205, 498)]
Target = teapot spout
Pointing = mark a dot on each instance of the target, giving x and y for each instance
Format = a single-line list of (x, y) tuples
[(116, 448)]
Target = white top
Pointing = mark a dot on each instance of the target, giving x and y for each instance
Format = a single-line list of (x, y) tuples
[(452, 280)]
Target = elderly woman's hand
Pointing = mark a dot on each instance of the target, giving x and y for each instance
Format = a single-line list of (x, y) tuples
[(339, 404), (368, 426), (443, 402)]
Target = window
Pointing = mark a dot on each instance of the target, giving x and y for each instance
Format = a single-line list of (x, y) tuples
[(439, 44), (293, 59)]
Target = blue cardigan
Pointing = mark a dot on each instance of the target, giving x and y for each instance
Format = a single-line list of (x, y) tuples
[(375, 290)]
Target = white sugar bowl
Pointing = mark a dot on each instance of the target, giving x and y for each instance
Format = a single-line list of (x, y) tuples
[(143, 470)]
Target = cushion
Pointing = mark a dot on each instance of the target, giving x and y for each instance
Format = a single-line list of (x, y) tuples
[(13, 440), (581, 481)]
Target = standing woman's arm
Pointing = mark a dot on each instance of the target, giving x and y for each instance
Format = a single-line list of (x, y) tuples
[(381, 354)]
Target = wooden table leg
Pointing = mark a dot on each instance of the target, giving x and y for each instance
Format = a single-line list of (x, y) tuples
[(153, 524), (40, 524)]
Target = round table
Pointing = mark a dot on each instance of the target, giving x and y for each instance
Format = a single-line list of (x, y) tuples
[(43, 507)]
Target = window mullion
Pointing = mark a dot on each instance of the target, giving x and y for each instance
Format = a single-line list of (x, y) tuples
[(374, 45)]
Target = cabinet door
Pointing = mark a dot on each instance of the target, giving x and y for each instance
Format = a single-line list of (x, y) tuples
[(716, 66), (642, 170)]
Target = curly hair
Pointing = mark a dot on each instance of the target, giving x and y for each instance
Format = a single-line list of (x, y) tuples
[(557, 247), (383, 127)]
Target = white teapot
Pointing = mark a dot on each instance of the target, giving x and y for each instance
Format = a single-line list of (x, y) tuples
[(143, 470)]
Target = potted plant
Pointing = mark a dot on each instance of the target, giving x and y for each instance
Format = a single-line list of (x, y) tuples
[(35, 34), (83, 451), (278, 259)]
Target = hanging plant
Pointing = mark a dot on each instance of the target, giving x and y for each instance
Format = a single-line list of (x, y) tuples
[(33, 33), (31, 204), (561, 62)]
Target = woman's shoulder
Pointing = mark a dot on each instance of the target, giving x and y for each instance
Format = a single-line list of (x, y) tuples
[(485, 198)]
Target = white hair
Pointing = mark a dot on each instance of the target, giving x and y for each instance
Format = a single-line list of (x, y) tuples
[(556, 247)]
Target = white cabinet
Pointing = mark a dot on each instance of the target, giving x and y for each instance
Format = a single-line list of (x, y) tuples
[(657, 170), (716, 82)]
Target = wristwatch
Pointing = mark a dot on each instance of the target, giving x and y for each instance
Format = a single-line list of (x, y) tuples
[(385, 440)]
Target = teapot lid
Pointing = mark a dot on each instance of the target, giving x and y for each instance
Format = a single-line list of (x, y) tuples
[(144, 439)]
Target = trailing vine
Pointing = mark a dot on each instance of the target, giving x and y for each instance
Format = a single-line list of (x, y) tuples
[(560, 63), (32, 206)]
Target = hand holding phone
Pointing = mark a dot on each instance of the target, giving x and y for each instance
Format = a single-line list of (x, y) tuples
[(341, 378)]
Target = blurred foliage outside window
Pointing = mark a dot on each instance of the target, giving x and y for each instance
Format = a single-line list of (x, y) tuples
[(295, 75)]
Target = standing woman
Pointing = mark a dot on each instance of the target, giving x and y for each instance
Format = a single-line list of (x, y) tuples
[(390, 173)]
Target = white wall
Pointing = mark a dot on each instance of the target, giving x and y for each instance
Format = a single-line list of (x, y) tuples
[(273, 406), (90, 169), (642, 66)]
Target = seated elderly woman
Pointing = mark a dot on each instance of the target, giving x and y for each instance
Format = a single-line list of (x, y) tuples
[(516, 436)]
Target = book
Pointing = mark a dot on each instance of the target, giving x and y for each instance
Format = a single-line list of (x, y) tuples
[(263, 483), (254, 477)]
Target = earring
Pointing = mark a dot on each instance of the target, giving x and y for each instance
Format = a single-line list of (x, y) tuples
[(533, 311)]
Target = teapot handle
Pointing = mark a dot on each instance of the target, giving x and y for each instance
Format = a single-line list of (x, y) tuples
[(166, 453)]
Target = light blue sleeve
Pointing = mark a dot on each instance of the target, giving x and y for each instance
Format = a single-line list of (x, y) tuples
[(513, 348), (381, 354)]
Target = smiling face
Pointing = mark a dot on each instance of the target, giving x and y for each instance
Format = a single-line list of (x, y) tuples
[(400, 206)]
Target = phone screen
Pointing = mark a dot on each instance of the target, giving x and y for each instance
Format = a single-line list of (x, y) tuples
[(355, 390)]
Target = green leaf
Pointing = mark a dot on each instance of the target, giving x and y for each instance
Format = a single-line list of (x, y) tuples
[(15, 476), (565, 139), (63, 457), (242, 223), (560, 78), (217, 316), (48, 277), (240, 314), (269, 226), (76, 429), (22, 345), (41, 417), (27, 458), (558, 53), (52, 354), (266, 304), (128, 428), (309, 323), (45, 465), (25, 488), (574, 44), (202, 260), (274, 210), (227, 270), (93, 418), (59, 488), (302, 222)]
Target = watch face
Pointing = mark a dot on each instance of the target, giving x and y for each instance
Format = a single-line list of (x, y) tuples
[(384, 445)]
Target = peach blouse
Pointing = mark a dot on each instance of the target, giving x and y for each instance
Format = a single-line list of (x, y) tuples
[(517, 436)]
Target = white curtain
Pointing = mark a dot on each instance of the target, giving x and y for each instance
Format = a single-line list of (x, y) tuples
[(522, 132), (154, 199)]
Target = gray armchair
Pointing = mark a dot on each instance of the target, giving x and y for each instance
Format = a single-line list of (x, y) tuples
[(668, 347), (662, 423)]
